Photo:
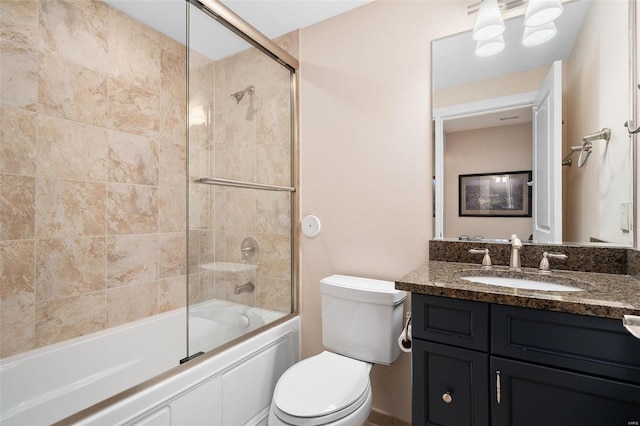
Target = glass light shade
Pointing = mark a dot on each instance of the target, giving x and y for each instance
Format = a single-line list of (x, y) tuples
[(490, 47), (489, 24), (538, 35), (540, 12)]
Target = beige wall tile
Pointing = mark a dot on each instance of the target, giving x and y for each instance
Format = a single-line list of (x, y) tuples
[(275, 256), (173, 255), (206, 248), (195, 288), (95, 7), (273, 294), (18, 75), (134, 52), (130, 303), (71, 91), (19, 22), (240, 210), (70, 208), (17, 207), (17, 141), (133, 109), (68, 149), (17, 272), (132, 259), (133, 159), (270, 166), (173, 121), (236, 163), (172, 293), (17, 328), (62, 319), (200, 206), (173, 63), (273, 212), (132, 209), (173, 164), (74, 34), (70, 267), (172, 211)]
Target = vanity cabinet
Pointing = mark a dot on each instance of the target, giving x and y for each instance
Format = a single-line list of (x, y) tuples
[(476, 363)]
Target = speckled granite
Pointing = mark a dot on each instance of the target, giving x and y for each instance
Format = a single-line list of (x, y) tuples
[(606, 260), (603, 295), (633, 261)]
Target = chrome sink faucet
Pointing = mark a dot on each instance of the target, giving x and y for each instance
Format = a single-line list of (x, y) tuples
[(514, 260)]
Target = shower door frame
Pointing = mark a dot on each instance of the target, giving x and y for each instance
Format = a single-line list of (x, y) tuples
[(230, 20)]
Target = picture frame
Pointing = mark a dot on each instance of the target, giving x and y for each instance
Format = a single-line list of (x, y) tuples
[(503, 194)]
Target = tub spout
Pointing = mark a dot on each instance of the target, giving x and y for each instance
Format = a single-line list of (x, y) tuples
[(249, 287)]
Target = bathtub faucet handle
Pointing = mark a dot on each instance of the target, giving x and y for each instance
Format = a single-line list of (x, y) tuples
[(249, 248)]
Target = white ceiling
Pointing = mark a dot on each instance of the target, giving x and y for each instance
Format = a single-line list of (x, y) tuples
[(271, 17)]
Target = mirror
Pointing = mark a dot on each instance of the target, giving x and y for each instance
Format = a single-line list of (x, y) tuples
[(484, 119)]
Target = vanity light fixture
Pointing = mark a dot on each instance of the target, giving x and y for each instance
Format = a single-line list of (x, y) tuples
[(538, 35), (490, 47), (489, 26), (489, 23), (541, 12)]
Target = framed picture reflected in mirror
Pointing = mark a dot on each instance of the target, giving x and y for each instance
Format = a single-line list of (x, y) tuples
[(504, 194)]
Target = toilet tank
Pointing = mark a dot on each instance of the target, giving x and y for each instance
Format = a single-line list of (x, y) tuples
[(362, 317)]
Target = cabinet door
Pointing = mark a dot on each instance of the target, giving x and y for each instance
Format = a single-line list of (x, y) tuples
[(449, 385), (526, 394)]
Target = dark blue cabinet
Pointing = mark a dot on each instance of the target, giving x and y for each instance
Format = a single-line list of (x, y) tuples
[(535, 395), (450, 385), (476, 363)]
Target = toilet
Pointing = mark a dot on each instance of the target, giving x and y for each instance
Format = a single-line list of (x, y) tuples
[(361, 320)]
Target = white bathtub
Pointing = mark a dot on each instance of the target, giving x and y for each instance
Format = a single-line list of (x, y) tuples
[(48, 384)]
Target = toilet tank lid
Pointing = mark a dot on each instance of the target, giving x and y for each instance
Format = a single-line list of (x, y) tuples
[(362, 289)]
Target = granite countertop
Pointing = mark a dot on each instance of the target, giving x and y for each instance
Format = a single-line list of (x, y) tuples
[(603, 295)]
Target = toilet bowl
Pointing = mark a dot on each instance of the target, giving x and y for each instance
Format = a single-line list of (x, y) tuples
[(361, 319), (327, 389)]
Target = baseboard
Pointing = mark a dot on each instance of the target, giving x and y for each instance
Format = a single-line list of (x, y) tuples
[(378, 418)]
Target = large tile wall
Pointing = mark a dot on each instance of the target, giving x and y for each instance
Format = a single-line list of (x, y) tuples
[(249, 141), (93, 175)]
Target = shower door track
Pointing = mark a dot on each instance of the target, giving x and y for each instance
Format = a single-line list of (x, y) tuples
[(243, 184)]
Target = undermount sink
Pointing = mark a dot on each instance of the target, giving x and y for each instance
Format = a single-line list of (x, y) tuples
[(521, 283)]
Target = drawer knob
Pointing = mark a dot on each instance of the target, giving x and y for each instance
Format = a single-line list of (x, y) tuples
[(446, 397)]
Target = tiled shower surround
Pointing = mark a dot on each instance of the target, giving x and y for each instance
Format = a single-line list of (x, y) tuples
[(93, 194)]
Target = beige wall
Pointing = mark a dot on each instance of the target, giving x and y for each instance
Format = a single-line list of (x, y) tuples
[(488, 150), (596, 96), (366, 156), (521, 82), (93, 178)]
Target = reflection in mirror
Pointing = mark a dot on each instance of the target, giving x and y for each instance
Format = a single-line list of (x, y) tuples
[(496, 114)]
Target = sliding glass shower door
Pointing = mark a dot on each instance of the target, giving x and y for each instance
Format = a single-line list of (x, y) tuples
[(240, 193)]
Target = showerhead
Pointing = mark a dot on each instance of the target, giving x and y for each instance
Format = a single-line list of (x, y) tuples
[(237, 97)]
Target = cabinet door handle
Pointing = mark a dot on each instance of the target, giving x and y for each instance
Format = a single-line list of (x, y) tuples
[(447, 398), (498, 386)]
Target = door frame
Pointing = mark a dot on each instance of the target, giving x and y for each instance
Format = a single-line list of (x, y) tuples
[(471, 109)]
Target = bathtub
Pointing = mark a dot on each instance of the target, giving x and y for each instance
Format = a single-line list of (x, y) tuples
[(48, 384)]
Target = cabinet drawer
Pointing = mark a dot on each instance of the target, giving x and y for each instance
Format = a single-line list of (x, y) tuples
[(455, 322), (450, 385), (598, 346)]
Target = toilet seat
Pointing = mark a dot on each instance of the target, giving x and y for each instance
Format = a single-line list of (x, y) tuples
[(321, 389)]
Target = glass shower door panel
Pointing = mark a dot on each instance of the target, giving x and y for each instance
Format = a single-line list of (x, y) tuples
[(241, 279), (240, 238)]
